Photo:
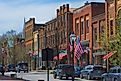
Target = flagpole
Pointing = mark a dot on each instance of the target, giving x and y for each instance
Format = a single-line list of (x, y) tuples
[(72, 40)]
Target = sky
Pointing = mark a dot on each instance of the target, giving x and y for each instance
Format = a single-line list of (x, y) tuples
[(13, 12)]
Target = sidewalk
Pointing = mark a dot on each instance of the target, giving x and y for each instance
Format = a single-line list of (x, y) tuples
[(39, 71), (9, 78)]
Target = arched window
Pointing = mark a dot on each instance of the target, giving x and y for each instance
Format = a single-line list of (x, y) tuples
[(119, 18), (119, 13)]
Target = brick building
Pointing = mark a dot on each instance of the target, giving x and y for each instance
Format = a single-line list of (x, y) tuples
[(64, 28), (83, 19), (31, 30), (113, 12), (38, 38), (98, 25), (58, 30)]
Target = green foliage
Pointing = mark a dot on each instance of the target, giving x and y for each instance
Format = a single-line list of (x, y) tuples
[(112, 43), (15, 54)]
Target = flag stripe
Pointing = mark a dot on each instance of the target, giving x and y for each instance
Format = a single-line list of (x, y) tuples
[(78, 49)]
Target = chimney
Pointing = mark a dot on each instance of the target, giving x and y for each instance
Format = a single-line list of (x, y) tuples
[(63, 6), (32, 19), (60, 10), (67, 5), (57, 11)]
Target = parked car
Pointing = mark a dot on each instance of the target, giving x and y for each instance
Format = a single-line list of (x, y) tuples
[(77, 71), (11, 67), (1, 69), (63, 70), (114, 74), (22, 67), (92, 71)]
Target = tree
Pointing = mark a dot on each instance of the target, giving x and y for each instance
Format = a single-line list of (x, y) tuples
[(112, 43), (14, 47)]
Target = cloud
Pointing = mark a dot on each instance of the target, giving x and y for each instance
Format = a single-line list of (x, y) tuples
[(12, 17), (12, 12)]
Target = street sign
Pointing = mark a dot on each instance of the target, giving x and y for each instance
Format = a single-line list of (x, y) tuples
[(47, 54), (108, 55)]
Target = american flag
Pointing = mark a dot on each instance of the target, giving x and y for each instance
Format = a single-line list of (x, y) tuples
[(78, 49)]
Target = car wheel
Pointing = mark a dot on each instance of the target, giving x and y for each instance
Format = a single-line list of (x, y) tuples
[(55, 76), (18, 71), (81, 76), (103, 79), (60, 77), (66, 77), (27, 71), (115, 79), (88, 77), (73, 77)]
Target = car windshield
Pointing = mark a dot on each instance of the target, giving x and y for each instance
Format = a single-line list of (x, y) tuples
[(98, 68), (65, 66), (23, 64), (119, 70), (0, 65), (11, 65), (77, 68)]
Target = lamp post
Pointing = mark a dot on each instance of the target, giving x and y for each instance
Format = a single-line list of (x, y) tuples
[(3, 52), (38, 48), (30, 55), (72, 40)]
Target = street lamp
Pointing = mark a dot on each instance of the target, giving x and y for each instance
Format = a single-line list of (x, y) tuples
[(72, 40), (38, 48), (57, 46), (3, 52), (30, 55)]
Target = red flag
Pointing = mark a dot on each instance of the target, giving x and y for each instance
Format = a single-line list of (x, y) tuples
[(107, 56)]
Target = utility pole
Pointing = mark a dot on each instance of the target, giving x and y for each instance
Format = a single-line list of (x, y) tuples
[(38, 47), (3, 52), (56, 34), (47, 54)]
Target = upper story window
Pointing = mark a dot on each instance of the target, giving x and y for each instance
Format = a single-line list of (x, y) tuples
[(77, 27), (87, 26), (95, 33), (111, 27), (82, 26), (119, 18)]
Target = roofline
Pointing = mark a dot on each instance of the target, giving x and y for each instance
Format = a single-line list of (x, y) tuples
[(89, 4)]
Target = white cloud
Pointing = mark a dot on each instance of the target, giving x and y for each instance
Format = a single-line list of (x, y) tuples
[(11, 17)]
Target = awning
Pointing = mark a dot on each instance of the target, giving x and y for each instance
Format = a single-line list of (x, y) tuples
[(99, 53), (61, 55)]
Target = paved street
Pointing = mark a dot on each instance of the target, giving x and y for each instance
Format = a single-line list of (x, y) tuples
[(35, 76)]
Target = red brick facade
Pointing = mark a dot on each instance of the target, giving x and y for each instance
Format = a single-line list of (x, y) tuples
[(82, 23)]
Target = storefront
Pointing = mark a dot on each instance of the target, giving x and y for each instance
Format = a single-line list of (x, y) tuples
[(98, 57)]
